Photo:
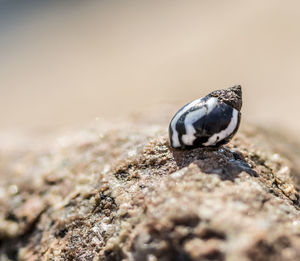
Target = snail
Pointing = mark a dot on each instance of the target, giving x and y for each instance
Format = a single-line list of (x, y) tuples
[(210, 121)]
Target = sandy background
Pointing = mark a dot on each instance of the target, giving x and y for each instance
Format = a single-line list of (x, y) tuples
[(68, 62)]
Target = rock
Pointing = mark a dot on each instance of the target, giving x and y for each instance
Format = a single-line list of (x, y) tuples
[(121, 193)]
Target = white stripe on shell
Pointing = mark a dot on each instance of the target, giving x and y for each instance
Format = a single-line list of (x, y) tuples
[(192, 117), (224, 133), (175, 139)]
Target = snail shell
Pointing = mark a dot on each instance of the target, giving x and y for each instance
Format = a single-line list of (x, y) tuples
[(210, 121)]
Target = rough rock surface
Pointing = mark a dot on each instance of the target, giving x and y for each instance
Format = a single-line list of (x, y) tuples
[(121, 193)]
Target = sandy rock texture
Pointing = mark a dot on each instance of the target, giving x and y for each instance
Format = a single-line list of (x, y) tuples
[(121, 193)]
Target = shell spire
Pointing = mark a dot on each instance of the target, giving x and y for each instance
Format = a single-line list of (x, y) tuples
[(232, 96)]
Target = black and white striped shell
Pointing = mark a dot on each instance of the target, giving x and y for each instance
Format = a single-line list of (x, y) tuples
[(207, 122)]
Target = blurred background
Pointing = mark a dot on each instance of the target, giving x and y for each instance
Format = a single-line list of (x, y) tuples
[(67, 62)]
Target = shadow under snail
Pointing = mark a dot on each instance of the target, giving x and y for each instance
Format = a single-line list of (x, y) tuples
[(210, 121)]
